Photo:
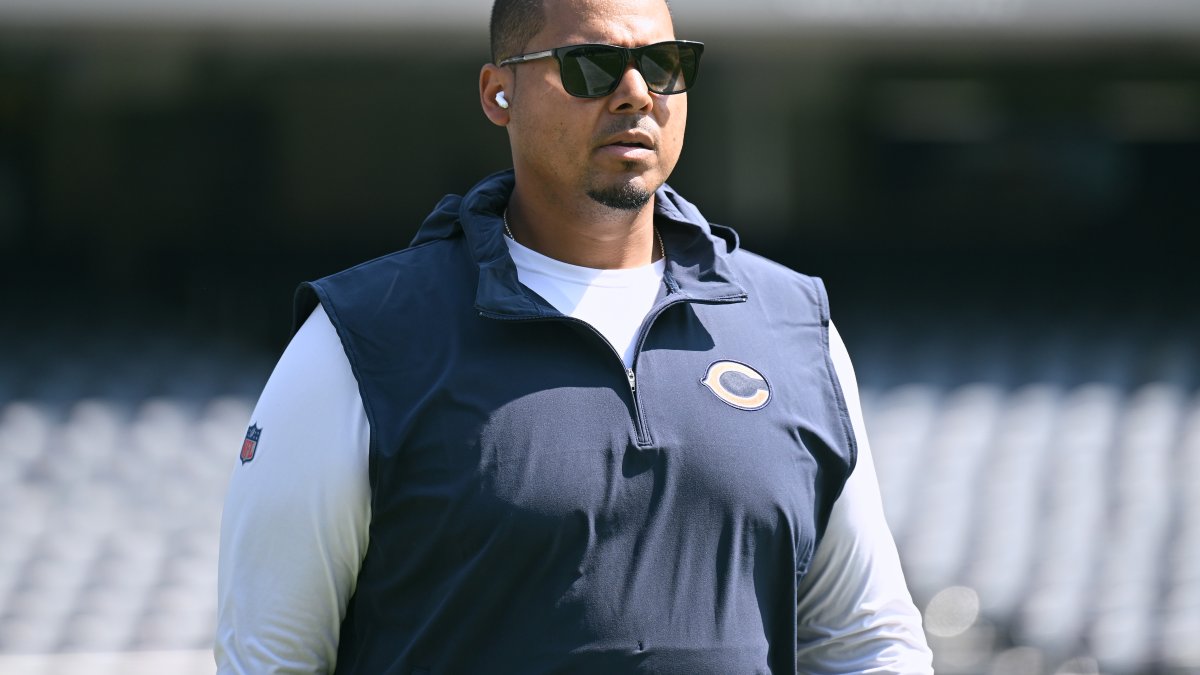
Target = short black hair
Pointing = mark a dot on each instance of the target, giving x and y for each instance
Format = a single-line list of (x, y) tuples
[(514, 23)]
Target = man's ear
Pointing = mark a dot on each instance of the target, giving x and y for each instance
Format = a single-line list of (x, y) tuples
[(492, 82)]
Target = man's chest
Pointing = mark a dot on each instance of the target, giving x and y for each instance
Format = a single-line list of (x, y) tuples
[(717, 426)]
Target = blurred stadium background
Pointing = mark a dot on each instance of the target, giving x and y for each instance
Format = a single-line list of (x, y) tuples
[(1001, 194)]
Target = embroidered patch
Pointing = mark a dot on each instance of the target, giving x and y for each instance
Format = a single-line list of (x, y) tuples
[(737, 384), (251, 443)]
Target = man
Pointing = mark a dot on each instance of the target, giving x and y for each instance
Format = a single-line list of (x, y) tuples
[(572, 428)]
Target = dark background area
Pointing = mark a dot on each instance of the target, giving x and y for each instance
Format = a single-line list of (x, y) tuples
[(191, 178)]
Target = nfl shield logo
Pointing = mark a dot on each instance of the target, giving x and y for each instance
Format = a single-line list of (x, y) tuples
[(251, 442)]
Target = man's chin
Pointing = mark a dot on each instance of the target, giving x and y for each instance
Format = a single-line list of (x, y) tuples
[(623, 196), (628, 192)]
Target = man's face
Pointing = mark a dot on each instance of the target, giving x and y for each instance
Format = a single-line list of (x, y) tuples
[(616, 150)]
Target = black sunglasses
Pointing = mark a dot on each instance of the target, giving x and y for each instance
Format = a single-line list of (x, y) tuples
[(593, 71)]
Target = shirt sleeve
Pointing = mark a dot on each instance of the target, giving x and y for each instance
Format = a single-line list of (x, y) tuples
[(294, 529), (854, 612)]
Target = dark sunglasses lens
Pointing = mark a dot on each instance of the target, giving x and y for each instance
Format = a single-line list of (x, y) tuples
[(669, 67), (592, 70)]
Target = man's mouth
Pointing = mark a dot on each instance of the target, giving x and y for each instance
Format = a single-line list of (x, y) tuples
[(629, 146), (631, 139)]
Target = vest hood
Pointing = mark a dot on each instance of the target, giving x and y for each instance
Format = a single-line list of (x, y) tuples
[(697, 251)]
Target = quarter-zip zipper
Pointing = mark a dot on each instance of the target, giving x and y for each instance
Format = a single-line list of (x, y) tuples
[(641, 432), (639, 423)]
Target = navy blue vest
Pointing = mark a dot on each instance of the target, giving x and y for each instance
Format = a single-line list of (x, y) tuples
[(537, 508)]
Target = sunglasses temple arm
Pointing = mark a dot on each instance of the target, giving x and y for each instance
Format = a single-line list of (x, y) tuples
[(526, 57)]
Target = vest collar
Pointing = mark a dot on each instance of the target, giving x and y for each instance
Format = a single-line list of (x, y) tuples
[(697, 267)]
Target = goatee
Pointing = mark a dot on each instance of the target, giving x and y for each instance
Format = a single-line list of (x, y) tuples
[(625, 197)]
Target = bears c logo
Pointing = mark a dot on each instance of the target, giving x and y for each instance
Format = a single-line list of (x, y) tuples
[(737, 384)]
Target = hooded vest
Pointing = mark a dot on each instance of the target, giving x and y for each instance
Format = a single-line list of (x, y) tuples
[(537, 507)]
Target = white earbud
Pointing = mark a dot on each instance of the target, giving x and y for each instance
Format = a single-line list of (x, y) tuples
[(501, 101)]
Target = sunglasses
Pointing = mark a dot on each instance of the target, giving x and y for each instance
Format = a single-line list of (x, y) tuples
[(593, 71)]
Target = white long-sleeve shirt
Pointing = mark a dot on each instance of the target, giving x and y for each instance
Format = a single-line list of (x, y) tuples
[(295, 526)]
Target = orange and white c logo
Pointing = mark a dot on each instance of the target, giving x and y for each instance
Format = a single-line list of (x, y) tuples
[(737, 384)]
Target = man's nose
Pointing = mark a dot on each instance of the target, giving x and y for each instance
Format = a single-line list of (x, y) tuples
[(632, 93)]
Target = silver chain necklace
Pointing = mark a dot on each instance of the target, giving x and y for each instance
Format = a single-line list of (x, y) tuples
[(662, 250)]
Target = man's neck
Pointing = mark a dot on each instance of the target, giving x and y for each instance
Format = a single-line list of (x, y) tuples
[(584, 233)]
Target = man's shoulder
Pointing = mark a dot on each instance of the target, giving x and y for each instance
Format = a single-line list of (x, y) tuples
[(426, 274), (436, 256), (777, 288), (759, 269)]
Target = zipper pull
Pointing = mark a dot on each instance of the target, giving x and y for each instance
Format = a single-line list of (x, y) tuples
[(632, 380)]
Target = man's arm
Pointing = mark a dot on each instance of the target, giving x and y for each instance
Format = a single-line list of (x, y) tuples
[(855, 614), (294, 529)]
